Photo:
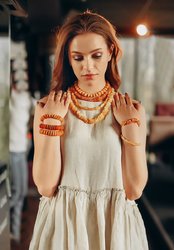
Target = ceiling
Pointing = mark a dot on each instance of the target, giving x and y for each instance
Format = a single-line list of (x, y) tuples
[(43, 15), (157, 14)]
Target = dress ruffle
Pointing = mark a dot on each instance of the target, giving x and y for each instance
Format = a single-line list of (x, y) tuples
[(76, 219)]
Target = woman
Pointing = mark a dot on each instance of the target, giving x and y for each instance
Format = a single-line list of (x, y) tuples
[(89, 161)]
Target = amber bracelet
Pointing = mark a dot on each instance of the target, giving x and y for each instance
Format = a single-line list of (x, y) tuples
[(130, 142), (131, 120), (54, 116), (51, 132), (51, 127)]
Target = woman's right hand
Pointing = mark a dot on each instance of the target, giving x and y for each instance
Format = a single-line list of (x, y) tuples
[(57, 104)]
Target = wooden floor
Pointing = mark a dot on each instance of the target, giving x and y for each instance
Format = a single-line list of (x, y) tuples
[(28, 219)]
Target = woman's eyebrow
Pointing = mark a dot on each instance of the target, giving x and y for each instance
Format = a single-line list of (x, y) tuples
[(77, 52)]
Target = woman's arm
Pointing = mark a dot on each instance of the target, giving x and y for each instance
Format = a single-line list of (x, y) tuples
[(47, 153), (134, 164), (47, 158)]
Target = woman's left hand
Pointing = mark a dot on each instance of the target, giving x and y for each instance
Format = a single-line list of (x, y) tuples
[(125, 108)]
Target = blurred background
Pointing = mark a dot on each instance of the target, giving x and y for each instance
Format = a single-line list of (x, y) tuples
[(145, 29)]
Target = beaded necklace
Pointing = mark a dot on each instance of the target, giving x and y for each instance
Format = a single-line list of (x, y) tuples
[(105, 95)]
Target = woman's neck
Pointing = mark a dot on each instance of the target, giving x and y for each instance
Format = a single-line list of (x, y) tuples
[(91, 87)]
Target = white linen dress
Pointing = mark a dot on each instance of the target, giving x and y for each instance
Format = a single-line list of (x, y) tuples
[(90, 210)]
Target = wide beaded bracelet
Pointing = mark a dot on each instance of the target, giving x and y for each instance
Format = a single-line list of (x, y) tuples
[(53, 116), (51, 127), (130, 142), (129, 121), (51, 132)]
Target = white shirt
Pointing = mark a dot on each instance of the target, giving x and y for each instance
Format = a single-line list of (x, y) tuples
[(21, 104)]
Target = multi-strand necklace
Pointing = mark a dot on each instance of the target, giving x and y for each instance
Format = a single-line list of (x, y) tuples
[(105, 96)]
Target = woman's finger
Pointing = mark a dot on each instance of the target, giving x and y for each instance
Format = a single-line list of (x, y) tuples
[(63, 97), (122, 99), (128, 99), (68, 99), (58, 96), (51, 96), (114, 107), (117, 100)]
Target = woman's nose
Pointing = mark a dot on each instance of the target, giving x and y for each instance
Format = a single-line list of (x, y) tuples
[(87, 64)]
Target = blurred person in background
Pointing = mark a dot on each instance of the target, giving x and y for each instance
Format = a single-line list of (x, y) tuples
[(21, 108)]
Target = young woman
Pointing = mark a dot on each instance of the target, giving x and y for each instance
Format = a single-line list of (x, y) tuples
[(89, 161)]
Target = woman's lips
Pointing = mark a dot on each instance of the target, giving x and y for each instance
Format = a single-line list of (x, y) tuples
[(89, 76)]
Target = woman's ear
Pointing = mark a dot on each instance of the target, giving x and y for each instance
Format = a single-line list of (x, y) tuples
[(111, 51)]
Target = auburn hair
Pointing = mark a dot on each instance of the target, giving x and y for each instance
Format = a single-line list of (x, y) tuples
[(63, 75)]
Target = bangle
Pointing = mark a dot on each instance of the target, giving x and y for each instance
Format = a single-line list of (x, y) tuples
[(51, 132), (51, 127), (131, 120), (57, 117), (130, 142)]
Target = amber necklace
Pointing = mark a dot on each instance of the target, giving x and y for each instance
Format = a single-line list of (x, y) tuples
[(100, 106), (95, 97), (105, 106)]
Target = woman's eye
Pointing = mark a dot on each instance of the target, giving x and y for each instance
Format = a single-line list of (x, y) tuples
[(78, 58), (97, 55)]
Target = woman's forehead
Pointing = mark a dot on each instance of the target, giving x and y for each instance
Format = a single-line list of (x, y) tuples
[(87, 42)]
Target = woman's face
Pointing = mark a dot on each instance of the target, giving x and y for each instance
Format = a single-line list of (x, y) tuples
[(89, 56)]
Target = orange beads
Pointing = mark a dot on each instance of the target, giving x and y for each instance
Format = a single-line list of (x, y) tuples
[(105, 95)]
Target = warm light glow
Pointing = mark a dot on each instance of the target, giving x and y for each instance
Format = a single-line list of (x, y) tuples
[(142, 30)]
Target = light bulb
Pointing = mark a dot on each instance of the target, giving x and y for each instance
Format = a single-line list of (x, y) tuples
[(142, 30)]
